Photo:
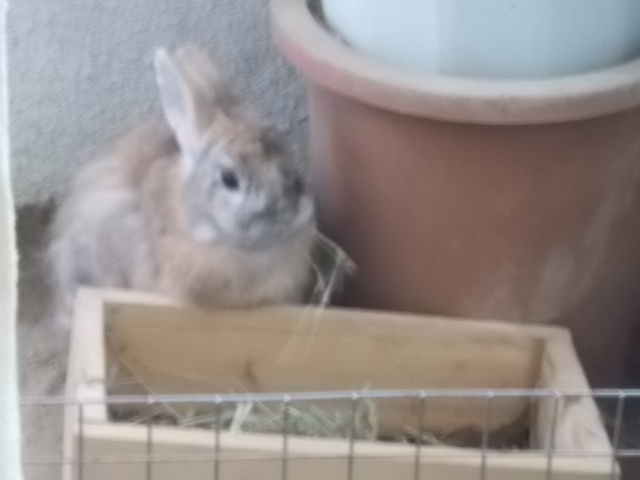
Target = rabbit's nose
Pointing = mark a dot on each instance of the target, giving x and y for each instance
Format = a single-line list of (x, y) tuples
[(268, 213)]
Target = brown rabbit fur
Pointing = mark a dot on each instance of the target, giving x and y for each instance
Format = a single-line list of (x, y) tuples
[(207, 209)]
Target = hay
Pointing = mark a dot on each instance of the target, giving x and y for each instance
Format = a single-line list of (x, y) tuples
[(331, 266), (306, 419), (314, 421)]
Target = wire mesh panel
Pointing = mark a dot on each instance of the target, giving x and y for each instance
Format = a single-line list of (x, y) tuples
[(336, 435)]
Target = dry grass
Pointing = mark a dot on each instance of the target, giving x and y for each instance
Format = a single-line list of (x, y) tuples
[(306, 419)]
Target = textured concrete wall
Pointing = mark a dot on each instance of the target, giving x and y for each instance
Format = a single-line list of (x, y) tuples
[(80, 71)]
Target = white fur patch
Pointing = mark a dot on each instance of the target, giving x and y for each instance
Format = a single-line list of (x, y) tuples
[(187, 164), (204, 232)]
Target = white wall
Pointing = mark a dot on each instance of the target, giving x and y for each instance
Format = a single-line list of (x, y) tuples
[(9, 420), (80, 70)]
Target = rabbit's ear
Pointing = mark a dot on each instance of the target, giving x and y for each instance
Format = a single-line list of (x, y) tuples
[(192, 92)]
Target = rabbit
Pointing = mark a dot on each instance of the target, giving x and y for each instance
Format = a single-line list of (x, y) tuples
[(206, 208)]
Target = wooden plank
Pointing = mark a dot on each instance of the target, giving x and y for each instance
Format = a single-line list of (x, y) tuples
[(173, 350), (577, 425), (190, 454), (85, 370)]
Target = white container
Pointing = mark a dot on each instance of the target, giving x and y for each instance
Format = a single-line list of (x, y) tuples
[(491, 38)]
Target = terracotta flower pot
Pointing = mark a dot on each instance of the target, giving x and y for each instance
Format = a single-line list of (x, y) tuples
[(494, 199)]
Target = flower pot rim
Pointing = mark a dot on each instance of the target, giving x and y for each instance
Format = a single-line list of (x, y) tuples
[(326, 61)]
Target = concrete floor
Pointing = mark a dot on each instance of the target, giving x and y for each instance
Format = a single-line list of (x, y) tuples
[(43, 351)]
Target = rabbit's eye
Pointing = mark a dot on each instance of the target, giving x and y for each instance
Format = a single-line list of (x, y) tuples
[(230, 180)]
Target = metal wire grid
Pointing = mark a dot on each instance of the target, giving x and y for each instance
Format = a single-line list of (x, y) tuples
[(620, 399)]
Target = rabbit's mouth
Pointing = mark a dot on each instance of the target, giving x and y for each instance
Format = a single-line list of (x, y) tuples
[(258, 235), (273, 230), (275, 235)]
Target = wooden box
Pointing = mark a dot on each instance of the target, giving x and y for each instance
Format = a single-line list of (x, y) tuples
[(172, 350)]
